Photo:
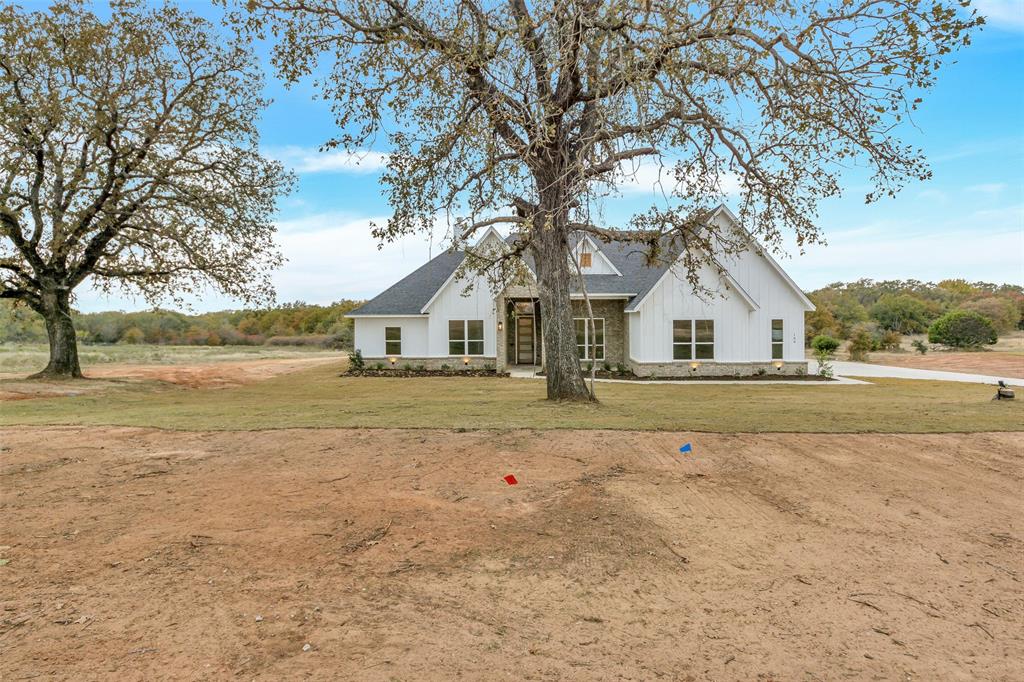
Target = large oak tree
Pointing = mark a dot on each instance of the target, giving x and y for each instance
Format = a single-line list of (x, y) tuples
[(540, 107), (128, 158)]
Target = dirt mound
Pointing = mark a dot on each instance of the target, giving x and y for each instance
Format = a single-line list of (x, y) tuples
[(334, 554)]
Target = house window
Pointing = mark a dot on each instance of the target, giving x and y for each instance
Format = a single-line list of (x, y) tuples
[(586, 259), (465, 337), (585, 343), (693, 339), (777, 336), (393, 340)]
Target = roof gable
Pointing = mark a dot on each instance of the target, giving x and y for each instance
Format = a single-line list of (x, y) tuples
[(635, 278), (601, 263)]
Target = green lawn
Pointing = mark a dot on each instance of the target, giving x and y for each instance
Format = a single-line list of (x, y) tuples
[(318, 397)]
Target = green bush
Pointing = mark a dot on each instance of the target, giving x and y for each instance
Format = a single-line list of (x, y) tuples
[(888, 340), (920, 346), (962, 329), (825, 344), (1003, 312), (862, 341), (355, 359)]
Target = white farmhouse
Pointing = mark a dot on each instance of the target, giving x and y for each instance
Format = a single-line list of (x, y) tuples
[(648, 319)]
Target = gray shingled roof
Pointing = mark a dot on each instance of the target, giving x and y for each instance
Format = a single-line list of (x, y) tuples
[(409, 295)]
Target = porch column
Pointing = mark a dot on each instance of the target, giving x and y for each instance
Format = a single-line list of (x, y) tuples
[(500, 350), (538, 333)]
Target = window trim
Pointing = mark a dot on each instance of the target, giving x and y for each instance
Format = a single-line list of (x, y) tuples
[(693, 344), (466, 340), (773, 343), (586, 338), (389, 341)]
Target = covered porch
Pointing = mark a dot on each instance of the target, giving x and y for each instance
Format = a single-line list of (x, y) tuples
[(520, 343), (519, 340)]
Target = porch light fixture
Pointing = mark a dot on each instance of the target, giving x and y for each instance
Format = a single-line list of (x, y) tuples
[(778, 365), (500, 325), (694, 366), (392, 360)]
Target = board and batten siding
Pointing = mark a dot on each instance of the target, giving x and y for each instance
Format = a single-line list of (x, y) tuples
[(369, 335), (451, 304), (741, 335), (600, 265)]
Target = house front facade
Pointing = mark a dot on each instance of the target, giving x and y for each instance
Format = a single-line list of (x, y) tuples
[(647, 319)]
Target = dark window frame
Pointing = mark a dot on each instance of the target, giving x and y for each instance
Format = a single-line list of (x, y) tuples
[(779, 346), (388, 342), (466, 345)]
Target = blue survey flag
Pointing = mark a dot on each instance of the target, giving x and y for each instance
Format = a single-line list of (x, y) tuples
[(686, 448)]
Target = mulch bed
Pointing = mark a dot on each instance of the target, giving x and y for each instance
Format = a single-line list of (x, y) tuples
[(411, 373)]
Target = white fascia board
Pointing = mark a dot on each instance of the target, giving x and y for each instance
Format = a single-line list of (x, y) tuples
[(412, 315), (451, 277), (760, 250)]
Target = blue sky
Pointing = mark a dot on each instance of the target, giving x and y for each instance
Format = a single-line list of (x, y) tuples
[(968, 221)]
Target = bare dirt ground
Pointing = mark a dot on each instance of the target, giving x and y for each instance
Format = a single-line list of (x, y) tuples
[(194, 375), (136, 554), (981, 362)]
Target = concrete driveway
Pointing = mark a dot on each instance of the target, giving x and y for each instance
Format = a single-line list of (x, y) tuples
[(867, 370)]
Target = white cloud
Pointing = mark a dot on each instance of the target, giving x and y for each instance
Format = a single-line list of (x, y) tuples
[(657, 177), (1008, 14), (332, 256), (310, 160), (986, 245), (990, 188)]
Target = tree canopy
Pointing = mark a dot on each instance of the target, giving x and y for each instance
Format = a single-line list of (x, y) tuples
[(128, 156), (539, 108)]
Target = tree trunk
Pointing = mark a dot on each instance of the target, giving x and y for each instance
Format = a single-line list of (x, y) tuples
[(56, 311), (551, 255)]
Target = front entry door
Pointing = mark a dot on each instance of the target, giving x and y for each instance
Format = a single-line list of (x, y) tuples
[(524, 341)]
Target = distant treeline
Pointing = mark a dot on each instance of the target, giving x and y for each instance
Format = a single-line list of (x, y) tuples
[(288, 324), (899, 307)]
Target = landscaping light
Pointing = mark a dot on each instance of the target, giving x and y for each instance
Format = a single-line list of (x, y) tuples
[(778, 365), (694, 366)]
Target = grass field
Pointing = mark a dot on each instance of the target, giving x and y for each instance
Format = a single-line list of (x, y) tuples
[(317, 397), (27, 358)]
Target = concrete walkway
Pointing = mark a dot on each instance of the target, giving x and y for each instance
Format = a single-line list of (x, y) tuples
[(868, 370)]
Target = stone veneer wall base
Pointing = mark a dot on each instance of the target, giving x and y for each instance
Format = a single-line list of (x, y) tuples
[(709, 368), (454, 362)]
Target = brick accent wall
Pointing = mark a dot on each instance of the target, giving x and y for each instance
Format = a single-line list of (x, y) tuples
[(614, 326)]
